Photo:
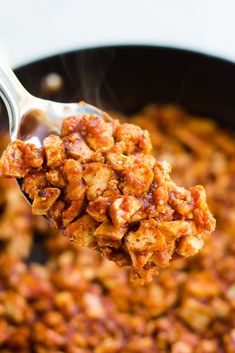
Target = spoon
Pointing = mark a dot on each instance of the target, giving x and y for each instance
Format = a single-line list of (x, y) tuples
[(31, 119)]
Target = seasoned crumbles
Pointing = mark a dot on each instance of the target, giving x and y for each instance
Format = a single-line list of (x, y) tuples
[(78, 302), (99, 183)]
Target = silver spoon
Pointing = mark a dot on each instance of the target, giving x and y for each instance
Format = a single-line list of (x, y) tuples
[(32, 118)]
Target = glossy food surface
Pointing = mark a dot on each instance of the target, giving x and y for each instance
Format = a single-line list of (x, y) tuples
[(99, 183), (78, 302)]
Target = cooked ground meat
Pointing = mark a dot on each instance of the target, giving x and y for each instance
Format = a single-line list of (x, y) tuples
[(78, 302), (99, 183)]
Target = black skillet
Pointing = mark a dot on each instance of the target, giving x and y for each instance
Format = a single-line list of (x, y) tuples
[(125, 78)]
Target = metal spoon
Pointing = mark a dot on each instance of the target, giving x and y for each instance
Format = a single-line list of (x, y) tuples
[(32, 118)]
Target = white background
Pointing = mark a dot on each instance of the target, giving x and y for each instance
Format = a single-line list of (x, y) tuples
[(31, 29)]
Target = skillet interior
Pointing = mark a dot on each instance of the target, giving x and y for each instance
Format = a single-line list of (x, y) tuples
[(127, 77)]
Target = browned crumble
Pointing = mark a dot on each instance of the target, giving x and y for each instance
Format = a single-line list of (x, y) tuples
[(99, 183), (78, 302)]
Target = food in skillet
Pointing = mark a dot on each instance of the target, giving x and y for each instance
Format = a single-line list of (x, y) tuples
[(78, 302), (99, 183)]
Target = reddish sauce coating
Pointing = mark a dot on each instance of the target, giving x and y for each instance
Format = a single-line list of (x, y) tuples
[(78, 302), (99, 183)]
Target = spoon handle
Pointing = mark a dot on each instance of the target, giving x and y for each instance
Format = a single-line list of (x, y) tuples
[(12, 93)]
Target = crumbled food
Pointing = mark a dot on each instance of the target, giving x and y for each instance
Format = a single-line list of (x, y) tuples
[(33, 182), (97, 177), (44, 200), (52, 84), (82, 231), (101, 171), (77, 301), (12, 161), (17, 224), (54, 150), (123, 208), (107, 234), (76, 147)]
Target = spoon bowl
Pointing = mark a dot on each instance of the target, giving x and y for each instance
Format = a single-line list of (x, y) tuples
[(31, 119)]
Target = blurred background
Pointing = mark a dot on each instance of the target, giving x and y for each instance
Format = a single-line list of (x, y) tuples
[(31, 29)]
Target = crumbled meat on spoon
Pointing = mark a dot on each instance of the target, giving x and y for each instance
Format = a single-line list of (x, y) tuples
[(100, 185)]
